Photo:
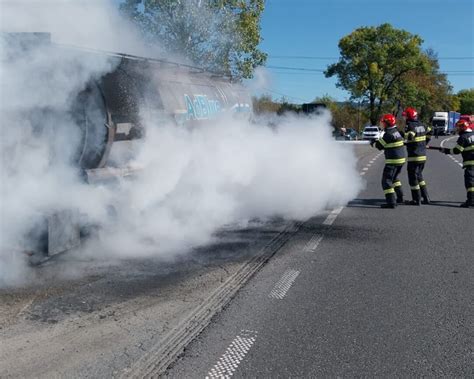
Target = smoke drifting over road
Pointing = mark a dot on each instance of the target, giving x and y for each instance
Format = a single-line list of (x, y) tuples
[(192, 181)]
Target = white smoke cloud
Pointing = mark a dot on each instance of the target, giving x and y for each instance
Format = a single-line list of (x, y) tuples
[(192, 181), (262, 79)]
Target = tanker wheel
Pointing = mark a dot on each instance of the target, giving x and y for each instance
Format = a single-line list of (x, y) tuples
[(93, 118)]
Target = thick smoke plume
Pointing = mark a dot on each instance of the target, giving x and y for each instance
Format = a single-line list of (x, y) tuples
[(191, 181)]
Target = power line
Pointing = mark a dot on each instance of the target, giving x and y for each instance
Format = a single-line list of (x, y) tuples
[(335, 58), (296, 68), (319, 70), (300, 57), (284, 95)]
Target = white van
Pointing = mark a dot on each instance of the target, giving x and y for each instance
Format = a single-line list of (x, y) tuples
[(372, 132)]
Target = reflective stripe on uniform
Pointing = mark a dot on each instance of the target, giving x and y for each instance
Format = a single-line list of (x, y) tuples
[(398, 183), (382, 142), (417, 187), (417, 139), (470, 148), (470, 189), (417, 159), (395, 161), (411, 134), (394, 144), (387, 191), (459, 147), (422, 183), (468, 163)]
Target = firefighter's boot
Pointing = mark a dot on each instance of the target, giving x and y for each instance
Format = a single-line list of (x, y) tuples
[(390, 201), (399, 192), (469, 202), (424, 195), (415, 194)]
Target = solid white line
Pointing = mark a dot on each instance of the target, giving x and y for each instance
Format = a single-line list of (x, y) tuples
[(284, 284), (332, 216), (235, 353)]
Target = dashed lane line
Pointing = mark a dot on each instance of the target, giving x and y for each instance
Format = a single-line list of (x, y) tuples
[(362, 173), (240, 346), (283, 285), (332, 216), (313, 243), (456, 161), (158, 358), (233, 356)]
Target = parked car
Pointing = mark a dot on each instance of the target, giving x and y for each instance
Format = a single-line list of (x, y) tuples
[(351, 135), (372, 132), (345, 134)]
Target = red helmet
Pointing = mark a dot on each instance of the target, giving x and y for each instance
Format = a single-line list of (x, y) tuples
[(463, 125), (388, 120), (410, 113)]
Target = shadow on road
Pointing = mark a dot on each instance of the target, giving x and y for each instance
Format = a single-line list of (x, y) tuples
[(365, 203), (375, 203), (449, 204)]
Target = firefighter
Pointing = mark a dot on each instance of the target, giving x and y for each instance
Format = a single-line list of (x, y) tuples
[(417, 137), (392, 144), (465, 146)]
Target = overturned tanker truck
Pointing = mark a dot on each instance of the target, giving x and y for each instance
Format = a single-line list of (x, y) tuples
[(108, 112)]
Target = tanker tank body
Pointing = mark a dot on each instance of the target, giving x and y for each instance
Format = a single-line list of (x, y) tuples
[(150, 89), (109, 113)]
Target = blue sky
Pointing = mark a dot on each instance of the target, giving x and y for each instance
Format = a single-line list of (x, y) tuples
[(313, 28)]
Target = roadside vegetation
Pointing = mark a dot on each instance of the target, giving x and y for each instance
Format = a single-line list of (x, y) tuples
[(219, 35)]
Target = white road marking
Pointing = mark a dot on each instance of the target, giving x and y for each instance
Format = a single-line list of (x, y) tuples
[(332, 216), (284, 284), (362, 173), (447, 139), (365, 169), (313, 243), (235, 353)]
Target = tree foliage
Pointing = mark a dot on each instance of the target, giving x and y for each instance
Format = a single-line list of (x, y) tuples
[(374, 60), (427, 91), (346, 114), (466, 100), (219, 35)]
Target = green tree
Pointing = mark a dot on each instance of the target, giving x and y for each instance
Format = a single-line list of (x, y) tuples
[(219, 35), (265, 105), (427, 91), (466, 99), (373, 61)]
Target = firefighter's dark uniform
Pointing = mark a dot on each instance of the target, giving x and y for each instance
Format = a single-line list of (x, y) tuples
[(417, 137), (465, 146), (394, 150)]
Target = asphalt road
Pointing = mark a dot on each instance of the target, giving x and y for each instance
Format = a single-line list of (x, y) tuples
[(361, 291), (364, 292)]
